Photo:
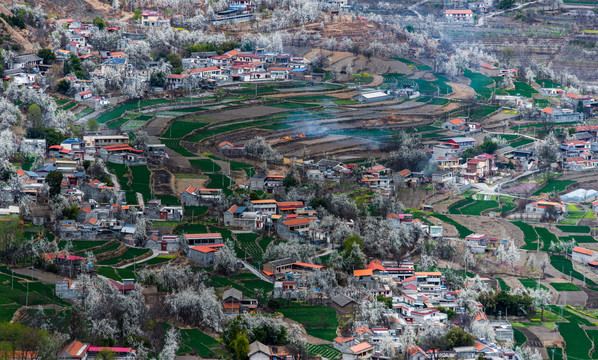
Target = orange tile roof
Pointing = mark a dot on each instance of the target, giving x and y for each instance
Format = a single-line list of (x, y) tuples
[(296, 222), (428, 273), (404, 172), (363, 272), (86, 209), (314, 266), (20, 172), (267, 201), (207, 248), (75, 349), (581, 250), (359, 348), (203, 236), (190, 189)]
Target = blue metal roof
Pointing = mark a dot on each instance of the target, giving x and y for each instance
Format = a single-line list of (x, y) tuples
[(240, 210), (46, 168), (115, 61), (72, 141)]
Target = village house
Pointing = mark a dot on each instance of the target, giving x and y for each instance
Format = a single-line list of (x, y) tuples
[(360, 351), (480, 167), (95, 142), (233, 301), (271, 184), (462, 16), (583, 255), (193, 196), (202, 239), (542, 208), (343, 304), (122, 154), (560, 115), (203, 255), (267, 206), (159, 212), (240, 217), (229, 149)]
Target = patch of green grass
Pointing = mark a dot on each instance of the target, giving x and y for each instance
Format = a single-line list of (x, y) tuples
[(565, 266), (531, 284), (325, 351), (179, 129), (478, 207), (529, 235), (121, 171), (547, 237), (154, 261), (195, 210), (578, 344), (219, 181), (81, 245), (140, 181), (170, 200), (318, 321), (547, 83), (192, 229), (7, 312), (392, 77), (205, 165), (479, 83), (483, 112), (503, 285), (579, 238), (439, 101), (108, 272), (565, 287), (131, 253), (574, 229), (522, 141), (175, 145), (520, 338), (194, 341), (554, 186), (107, 249), (522, 89), (463, 231)]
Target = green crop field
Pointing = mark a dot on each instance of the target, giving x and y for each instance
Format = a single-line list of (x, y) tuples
[(565, 287), (140, 182), (7, 312), (265, 241), (219, 181), (179, 129), (175, 145), (520, 338), (108, 272), (195, 210), (574, 229), (121, 171), (326, 351), (194, 341), (554, 186), (479, 83), (131, 253), (564, 265), (81, 245), (392, 77), (455, 208), (547, 83), (193, 229), (531, 284), (579, 238), (247, 243), (154, 261), (522, 141), (522, 89), (107, 249), (318, 321), (478, 207), (578, 344), (463, 231), (170, 200), (483, 112), (503, 285), (205, 165), (529, 235), (547, 237)]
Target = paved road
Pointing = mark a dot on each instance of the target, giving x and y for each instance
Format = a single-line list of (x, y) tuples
[(255, 271), (43, 276)]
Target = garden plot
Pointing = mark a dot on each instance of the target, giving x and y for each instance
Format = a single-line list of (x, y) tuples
[(565, 266), (318, 321), (180, 129), (554, 186)]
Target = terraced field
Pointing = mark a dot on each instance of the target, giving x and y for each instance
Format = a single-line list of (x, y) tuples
[(326, 351)]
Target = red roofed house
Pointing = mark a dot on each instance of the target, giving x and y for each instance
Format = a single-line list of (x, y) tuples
[(479, 167), (121, 353), (360, 351), (415, 353), (583, 256), (229, 149), (176, 81), (205, 72), (456, 125), (83, 95), (193, 196), (74, 350), (202, 239), (294, 229), (459, 15), (343, 343), (122, 154), (203, 255)]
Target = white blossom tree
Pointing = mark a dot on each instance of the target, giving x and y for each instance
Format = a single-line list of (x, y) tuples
[(171, 345), (225, 259)]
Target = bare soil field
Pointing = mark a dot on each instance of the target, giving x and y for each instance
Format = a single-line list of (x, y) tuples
[(182, 183), (244, 112), (495, 227), (156, 126), (163, 181)]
